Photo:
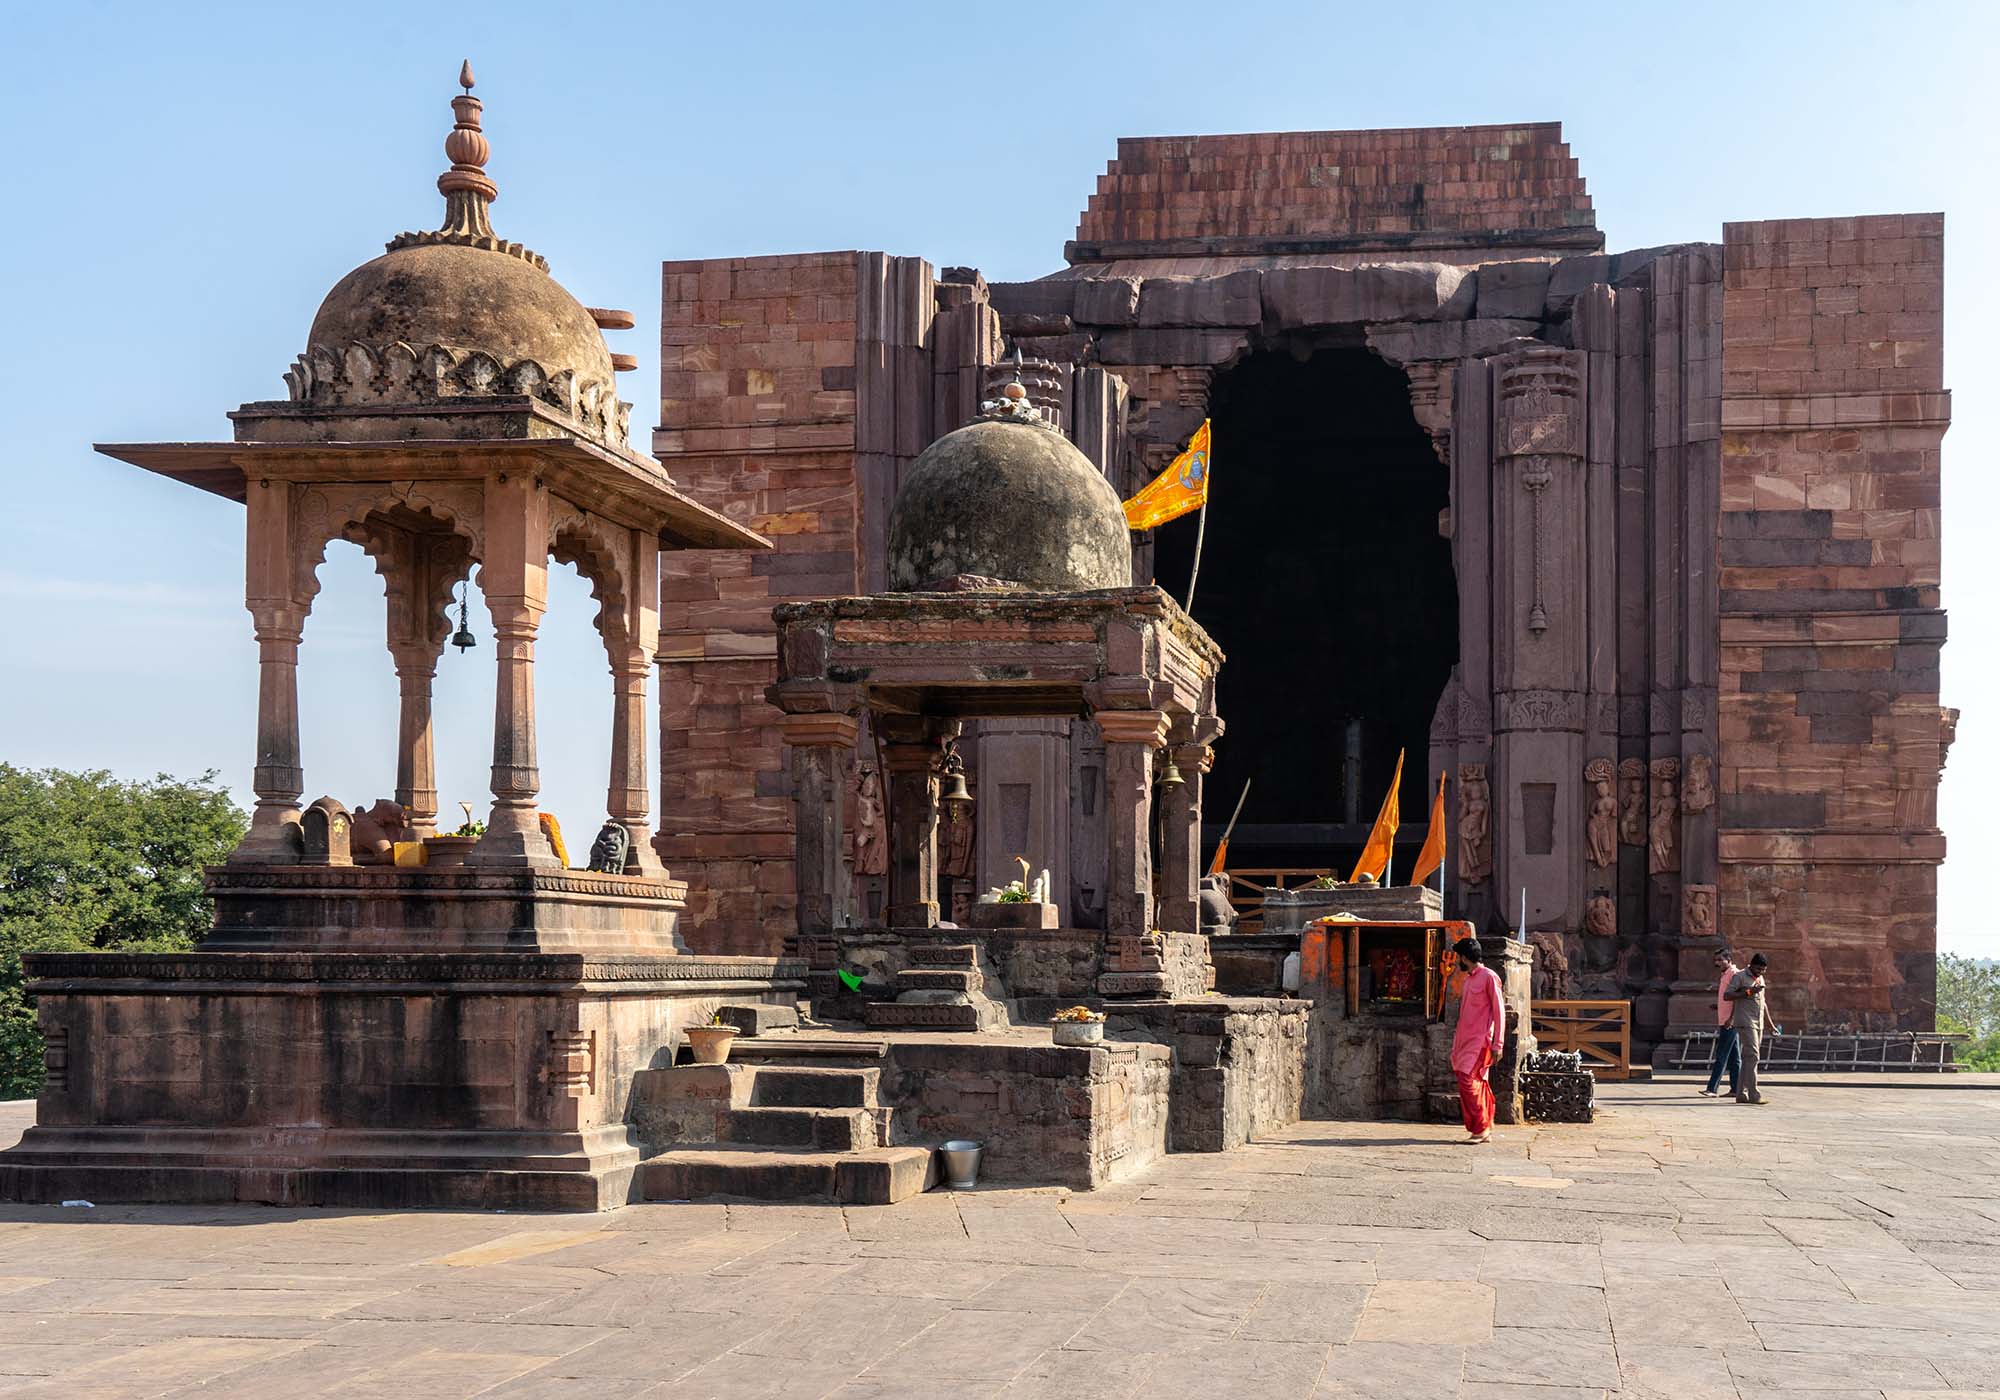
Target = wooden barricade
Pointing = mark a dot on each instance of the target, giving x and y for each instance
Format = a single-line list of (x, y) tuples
[(1601, 1031), (1247, 887)]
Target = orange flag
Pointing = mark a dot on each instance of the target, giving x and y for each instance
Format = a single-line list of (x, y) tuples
[(1375, 855), (1432, 855), (1221, 853)]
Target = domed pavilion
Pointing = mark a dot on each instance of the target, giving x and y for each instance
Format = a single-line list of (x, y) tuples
[(1009, 596), (383, 1014)]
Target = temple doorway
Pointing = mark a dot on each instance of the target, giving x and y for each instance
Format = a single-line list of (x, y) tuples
[(1326, 582)]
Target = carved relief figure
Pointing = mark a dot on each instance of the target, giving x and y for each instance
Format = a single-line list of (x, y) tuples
[(1698, 911), (871, 835), (1600, 830), (1600, 915), (1663, 846), (1632, 802), (1475, 824), (958, 838), (1699, 793), (1551, 979)]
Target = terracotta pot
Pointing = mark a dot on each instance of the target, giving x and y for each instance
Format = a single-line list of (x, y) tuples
[(710, 1043), (1078, 1032), (448, 850)]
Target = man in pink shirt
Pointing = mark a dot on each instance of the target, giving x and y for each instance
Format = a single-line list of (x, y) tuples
[(1482, 1031), (1728, 1051)]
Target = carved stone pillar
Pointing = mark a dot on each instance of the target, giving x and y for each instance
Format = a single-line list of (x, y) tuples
[(1541, 636), (1130, 737), (629, 797), (912, 750), (271, 594), (514, 577), (416, 764), (1180, 824), (820, 746)]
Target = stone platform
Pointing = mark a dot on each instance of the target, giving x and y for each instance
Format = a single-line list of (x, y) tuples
[(1844, 1241), (491, 1079)]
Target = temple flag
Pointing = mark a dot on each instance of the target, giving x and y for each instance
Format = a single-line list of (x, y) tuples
[(1221, 856), (1432, 855), (1381, 841), (1182, 487)]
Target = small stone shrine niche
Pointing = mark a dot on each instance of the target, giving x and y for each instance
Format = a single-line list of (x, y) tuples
[(1010, 598), (326, 831)]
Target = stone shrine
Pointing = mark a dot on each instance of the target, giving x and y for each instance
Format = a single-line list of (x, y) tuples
[(1641, 549)]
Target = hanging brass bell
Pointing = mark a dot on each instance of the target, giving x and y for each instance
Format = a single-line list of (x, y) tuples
[(1170, 776), (957, 798)]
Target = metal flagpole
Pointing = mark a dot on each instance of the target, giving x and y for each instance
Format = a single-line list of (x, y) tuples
[(1241, 798), (1201, 524), (1200, 531)]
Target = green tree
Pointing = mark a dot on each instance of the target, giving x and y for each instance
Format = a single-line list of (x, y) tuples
[(1969, 1002), (89, 862)]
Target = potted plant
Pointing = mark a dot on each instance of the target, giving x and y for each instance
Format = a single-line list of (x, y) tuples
[(710, 1043), (453, 848), (1078, 1025)]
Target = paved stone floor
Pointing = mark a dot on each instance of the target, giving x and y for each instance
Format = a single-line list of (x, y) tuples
[(1842, 1242)]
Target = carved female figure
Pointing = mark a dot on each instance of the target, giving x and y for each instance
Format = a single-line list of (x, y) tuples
[(1663, 853), (1632, 802), (1475, 823), (871, 836), (1601, 828)]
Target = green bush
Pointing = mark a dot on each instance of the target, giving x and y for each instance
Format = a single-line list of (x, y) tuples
[(89, 862)]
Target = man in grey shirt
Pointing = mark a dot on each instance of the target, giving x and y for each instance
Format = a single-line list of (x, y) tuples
[(1749, 1016)]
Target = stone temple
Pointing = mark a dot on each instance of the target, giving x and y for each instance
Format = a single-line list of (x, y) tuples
[(1637, 552), (1639, 549)]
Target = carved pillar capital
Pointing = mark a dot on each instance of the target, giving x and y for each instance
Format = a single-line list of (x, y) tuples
[(820, 730), (1148, 727)]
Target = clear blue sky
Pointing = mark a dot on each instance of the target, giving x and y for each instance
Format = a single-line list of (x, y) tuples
[(184, 184)]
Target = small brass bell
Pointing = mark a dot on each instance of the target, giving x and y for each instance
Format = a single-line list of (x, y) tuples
[(1170, 776), (463, 638)]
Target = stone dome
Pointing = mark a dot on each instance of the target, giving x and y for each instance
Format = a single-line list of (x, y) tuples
[(458, 311), (1011, 500), (467, 298)]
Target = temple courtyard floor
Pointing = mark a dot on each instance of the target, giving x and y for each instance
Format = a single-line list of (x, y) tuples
[(1843, 1241)]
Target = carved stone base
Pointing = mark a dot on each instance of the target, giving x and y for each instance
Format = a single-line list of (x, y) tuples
[(467, 1080), (381, 908)]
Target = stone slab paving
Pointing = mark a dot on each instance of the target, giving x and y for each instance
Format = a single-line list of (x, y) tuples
[(1842, 1242)]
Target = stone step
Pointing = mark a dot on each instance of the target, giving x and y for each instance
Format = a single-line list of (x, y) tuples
[(757, 1018), (943, 979), (800, 1086), (948, 1016), (877, 1176), (820, 1129), (789, 1049), (944, 955)]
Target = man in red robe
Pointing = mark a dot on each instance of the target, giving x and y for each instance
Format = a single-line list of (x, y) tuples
[(1482, 1031)]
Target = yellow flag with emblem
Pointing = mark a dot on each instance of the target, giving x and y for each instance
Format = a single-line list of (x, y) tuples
[(1182, 487)]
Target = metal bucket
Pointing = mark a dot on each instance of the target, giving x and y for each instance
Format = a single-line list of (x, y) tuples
[(961, 1164)]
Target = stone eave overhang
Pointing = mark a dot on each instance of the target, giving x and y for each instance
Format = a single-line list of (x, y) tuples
[(589, 475), (1558, 241)]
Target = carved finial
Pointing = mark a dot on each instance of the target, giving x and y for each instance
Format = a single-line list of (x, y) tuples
[(467, 189)]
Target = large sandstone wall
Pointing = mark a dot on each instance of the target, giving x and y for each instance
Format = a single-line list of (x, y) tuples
[(793, 391), (1480, 187), (1832, 741), (757, 419)]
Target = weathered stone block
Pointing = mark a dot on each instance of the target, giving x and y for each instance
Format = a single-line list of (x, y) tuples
[(1402, 343), (1106, 301), (1513, 290), (1230, 300), (1320, 296)]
